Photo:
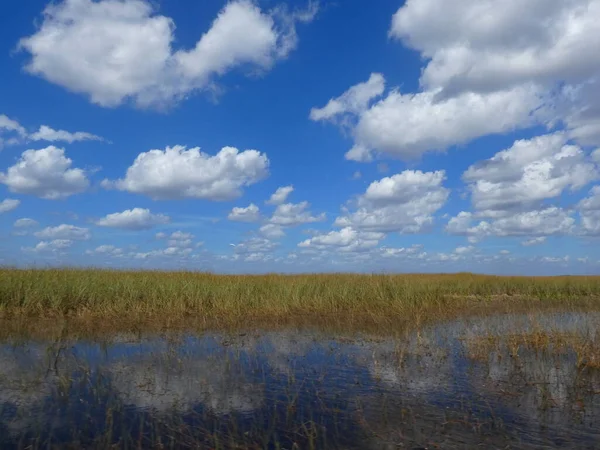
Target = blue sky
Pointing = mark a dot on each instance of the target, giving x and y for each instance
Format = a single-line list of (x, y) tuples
[(299, 136)]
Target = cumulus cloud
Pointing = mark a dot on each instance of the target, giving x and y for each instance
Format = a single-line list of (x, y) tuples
[(589, 211), (45, 173), (545, 222), (25, 222), (548, 43), (271, 231), (54, 246), (12, 128), (344, 240), (392, 252), (404, 202), (534, 241), (487, 46), (8, 124), (490, 67), (128, 48), (106, 250), (355, 100), (254, 246), (280, 195), (8, 204), (180, 252), (555, 259), (45, 133), (64, 231), (176, 173), (293, 214), (405, 126), (133, 219), (180, 235), (530, 171), (250, 213), (180, 239), (464, 250)]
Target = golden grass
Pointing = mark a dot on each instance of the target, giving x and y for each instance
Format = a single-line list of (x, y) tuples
[(104, 298), (550, 342)]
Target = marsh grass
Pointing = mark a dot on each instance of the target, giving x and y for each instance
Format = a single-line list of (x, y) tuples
[(550, 342), (107, 298)]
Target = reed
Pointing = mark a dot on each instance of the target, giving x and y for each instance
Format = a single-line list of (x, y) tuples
[(111, 296)]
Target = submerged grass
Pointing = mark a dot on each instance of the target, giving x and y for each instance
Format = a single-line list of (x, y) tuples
[(106, 297)]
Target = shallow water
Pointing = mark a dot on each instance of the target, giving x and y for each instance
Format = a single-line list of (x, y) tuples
[(302, 389)]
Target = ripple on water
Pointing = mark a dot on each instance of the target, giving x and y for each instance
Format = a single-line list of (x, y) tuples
[(458, 384)]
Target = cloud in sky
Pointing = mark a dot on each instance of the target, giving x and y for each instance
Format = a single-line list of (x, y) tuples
[(130, 54), (445, 135)]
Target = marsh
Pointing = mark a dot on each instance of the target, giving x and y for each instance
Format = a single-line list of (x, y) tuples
[(307, 387)]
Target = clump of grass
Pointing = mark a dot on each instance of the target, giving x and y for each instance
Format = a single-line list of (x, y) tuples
[(585, 347), (110, 297)]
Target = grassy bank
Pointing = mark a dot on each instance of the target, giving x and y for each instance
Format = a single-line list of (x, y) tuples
[(108, 297)]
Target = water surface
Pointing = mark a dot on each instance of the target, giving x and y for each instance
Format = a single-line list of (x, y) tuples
[(302, 389)]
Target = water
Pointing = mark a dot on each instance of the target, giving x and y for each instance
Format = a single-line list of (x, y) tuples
[(302, 389)]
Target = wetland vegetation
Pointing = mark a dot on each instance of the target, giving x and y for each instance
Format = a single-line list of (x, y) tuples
[(110, 359)]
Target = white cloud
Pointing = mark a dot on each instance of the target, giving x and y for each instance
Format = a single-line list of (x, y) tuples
[(534, 241), (248, 214), (8, 204), (177, 239), (271, 231), (133, 219), (555, 259), (258, 257), (180, 235), (404, 202), (45, 173), (11, 127), (355, 100), (391, 252), (405, 126), (550, 43), (45, 133), (25, 222), (486, 46), (180, 243), (280, 195), (7, 124), (108, 250), (490, 67), (179, 173), (128, 49), (50, 246), (344, 240), (255, 245), (464, 250), (293, 214), (530, 171), (181, 252), (546, 222), (64, 231), (589, 211)]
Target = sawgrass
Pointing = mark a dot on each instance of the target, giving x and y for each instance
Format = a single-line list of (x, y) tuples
[(103, 298)]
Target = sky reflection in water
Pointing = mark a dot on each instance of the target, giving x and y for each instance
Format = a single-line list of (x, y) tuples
[(268, 388)]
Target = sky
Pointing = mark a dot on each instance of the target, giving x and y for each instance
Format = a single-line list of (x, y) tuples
[(301, 136)]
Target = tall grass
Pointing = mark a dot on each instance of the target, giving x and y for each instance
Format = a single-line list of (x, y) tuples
[(210, 298)]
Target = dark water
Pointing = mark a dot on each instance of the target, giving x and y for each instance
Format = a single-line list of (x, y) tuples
[(301, 389)]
